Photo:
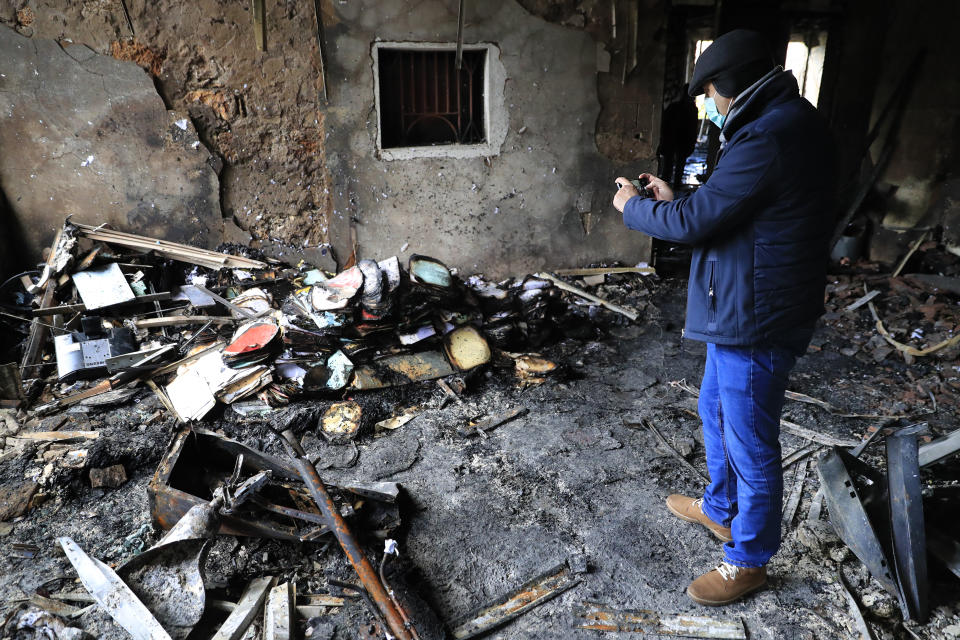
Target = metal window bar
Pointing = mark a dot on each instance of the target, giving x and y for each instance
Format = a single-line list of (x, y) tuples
[(426, 100)]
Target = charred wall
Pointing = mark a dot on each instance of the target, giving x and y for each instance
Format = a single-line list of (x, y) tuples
[(257, 111), (87, 135), (921, 177), (294, 170), (541, 198), (889, 72)]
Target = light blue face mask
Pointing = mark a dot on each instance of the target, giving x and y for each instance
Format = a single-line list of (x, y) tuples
[(713, 115)]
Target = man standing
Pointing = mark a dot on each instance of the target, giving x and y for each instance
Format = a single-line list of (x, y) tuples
[(760, 228)]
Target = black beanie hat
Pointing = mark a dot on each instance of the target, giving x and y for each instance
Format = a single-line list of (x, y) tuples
[(732, 63)]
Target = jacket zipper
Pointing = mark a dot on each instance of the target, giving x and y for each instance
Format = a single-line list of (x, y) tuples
[(710, 291), (711, 294)]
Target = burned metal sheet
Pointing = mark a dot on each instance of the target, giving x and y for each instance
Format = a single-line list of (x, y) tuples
[(850, 519), (246, 610), (168, 579), (380, 491), (906, 518), (113, 595), (279, 619), (939, 449), (102, 286), (532, 594), (599, 617), (123, 361), (198, 461), (183, 480)]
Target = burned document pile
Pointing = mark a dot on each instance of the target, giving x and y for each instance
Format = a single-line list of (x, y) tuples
[(212, 340), (203, 328)]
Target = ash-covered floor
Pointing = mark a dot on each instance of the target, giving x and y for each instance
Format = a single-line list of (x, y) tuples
[(578, 474)]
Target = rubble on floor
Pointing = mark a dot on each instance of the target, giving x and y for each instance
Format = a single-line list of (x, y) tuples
[(202, 336), (486, 449)]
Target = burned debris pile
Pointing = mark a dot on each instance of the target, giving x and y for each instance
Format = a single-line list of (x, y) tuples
[(890, 503), (115, 320), (175, 410), (125, 311)]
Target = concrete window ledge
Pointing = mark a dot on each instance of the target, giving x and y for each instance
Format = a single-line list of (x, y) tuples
[(495, 113)]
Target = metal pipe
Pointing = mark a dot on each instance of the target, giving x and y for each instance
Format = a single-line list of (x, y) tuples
[(365, 571), (460, 36), (287, 511)]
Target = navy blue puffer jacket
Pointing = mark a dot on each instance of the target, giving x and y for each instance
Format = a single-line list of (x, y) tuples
[(761, 224)]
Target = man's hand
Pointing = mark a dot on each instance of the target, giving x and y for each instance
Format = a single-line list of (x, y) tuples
[(661, 190), (625, 191)]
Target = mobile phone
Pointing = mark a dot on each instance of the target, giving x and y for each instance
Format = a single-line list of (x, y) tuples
[(642, 188)]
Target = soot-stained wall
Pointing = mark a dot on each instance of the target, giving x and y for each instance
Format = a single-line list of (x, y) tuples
[(295, 171), (528, 205), (876, 60), (256, 111), (86, 135), (923, 168)]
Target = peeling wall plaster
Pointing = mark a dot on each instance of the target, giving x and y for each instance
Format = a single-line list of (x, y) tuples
[(296, 171)]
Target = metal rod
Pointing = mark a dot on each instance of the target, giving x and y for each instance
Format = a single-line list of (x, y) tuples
[(406, 79), (436, 82), (460, 126), (365, 571), (229, 305), (287, 511), (159, 309), (447, 84), (423, 83), (460, 35)]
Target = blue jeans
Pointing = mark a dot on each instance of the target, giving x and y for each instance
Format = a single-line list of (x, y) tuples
[(741, 398)]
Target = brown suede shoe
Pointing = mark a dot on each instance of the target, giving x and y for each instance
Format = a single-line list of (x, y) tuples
[(690, 510), (725, 584)]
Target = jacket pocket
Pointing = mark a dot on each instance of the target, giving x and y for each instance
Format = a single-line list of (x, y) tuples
[(712, 297)]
